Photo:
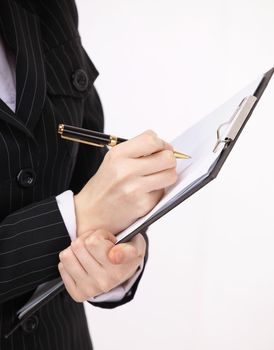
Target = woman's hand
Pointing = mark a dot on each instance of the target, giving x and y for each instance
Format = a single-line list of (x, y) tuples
[(127, 185), (93, 264)]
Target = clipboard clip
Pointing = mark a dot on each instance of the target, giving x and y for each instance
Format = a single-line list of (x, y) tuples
[(234, 124)]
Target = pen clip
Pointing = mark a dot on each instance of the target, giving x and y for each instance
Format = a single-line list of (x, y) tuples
[(235, 122), (81, 141)]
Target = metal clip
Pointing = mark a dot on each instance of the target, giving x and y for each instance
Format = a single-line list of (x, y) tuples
[(235, 122)]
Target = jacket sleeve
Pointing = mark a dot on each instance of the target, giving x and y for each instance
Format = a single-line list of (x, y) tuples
[(30, 241)]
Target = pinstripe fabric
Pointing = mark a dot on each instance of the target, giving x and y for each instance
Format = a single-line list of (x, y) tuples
[(44, 38)]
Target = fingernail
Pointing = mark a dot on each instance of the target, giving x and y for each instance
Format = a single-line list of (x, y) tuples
[(118, 257)]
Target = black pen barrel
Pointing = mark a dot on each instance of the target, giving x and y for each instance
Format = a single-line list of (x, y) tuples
[(87, 135), (100, 139), (120, 140)]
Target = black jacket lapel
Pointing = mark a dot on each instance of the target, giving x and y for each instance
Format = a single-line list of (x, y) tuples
[(8, 116), (20, 29)]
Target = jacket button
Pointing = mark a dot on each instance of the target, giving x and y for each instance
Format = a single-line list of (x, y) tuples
[(30, 324), (80, 80), (26, 177)]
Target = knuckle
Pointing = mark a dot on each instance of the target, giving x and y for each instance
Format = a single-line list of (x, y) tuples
[(77, 244), (151, 139), (131, 191), (65, 255), (92, 241), (150, 132), (153, 142), (96, 235)]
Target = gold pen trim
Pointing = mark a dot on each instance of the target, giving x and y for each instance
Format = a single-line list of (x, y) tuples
[(61, 131), (113, 141), (81, 141), (61, 128)]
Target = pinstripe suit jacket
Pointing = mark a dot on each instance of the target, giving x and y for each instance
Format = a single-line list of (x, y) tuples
[(54, 78)]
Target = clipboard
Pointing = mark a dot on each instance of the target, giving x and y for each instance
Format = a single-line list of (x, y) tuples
[(227, 131)]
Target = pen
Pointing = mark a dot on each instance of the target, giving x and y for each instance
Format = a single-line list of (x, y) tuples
[(95, 138)]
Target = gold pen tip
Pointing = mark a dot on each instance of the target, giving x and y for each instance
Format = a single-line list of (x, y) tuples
[(181, 155)]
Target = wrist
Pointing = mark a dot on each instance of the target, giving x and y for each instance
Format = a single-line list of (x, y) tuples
[(86, 219)]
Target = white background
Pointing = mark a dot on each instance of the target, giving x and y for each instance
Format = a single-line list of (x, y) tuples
[(209, 282)]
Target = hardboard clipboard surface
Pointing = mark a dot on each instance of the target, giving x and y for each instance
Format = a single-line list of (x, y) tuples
[(47, 292)]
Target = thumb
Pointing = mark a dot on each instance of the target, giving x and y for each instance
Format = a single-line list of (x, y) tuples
[(122, 253)]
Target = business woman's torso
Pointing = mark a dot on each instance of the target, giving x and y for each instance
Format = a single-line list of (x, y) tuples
[(54, 84)]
